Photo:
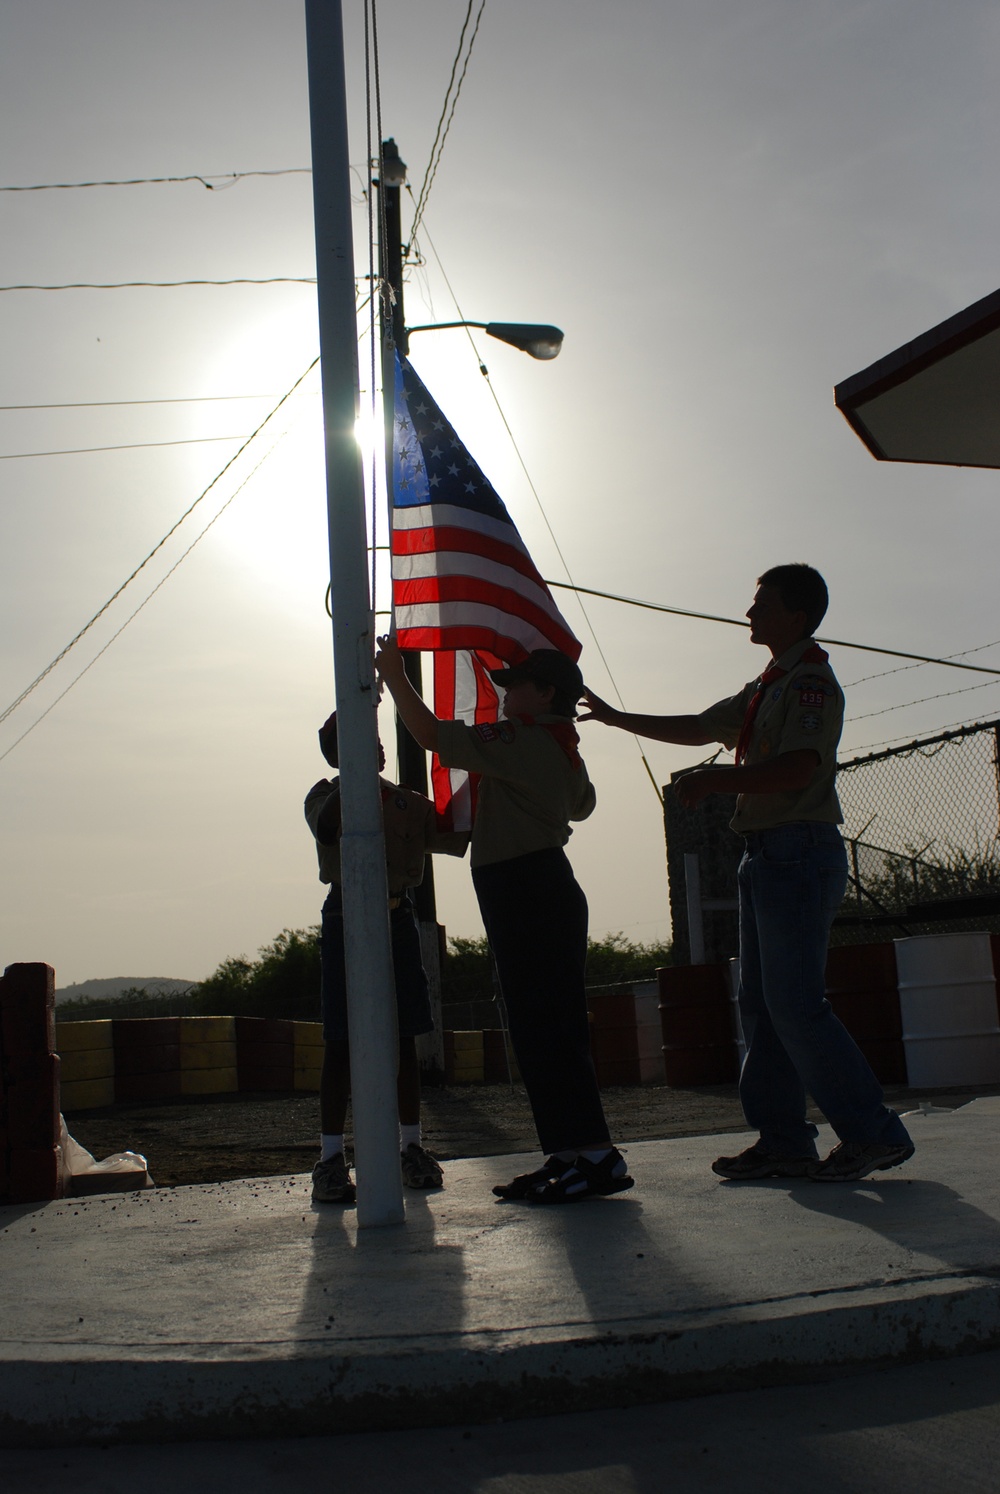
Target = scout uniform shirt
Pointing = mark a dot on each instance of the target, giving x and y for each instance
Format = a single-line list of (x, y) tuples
[(804, 707), (409, 824), (534, 782)]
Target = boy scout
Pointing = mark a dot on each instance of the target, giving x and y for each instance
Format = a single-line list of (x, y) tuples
[(534, 783), (410, 830), (785, 727)]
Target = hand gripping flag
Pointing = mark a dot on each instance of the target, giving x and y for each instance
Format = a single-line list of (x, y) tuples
[(464, 586)]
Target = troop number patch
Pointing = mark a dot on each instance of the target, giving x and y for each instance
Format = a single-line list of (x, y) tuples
[(494, 731)]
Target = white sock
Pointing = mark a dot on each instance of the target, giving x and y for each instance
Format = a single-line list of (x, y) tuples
[(409, 1136), (330, 1146)]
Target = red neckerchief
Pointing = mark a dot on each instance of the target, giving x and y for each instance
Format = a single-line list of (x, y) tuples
[(565, 736), (813, 655)]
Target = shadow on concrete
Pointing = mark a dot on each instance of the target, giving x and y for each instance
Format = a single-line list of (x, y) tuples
[(919, 1214), (348, 1266)]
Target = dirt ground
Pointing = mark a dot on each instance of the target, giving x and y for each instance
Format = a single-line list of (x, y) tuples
[(248, 1136)]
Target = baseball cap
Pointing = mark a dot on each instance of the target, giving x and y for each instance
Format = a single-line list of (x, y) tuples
[(544, 666), (328, 741)]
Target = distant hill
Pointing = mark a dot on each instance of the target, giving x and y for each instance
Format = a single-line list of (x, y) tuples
[(107, 990)]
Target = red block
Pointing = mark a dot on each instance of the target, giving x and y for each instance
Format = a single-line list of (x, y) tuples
[(35, 1174), (32, 1103), (495, 1056), (148, 1058), (612, 1009), (264, 1030), (688, 1067), (133, 1089), (146, 1032), (268, 1076), (265, 1055), (27, 1010), (617, 1071)]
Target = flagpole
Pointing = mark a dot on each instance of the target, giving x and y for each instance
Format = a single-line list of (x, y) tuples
[(370, 988), (411, 756)]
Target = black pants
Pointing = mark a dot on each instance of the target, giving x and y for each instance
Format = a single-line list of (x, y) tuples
[(536, 922)]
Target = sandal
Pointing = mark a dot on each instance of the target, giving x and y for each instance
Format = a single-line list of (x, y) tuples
[(583, 1179), (519, 1187)]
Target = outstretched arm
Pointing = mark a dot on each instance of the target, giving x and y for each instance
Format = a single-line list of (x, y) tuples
[(417, 716), (686, 731), (786, 773)]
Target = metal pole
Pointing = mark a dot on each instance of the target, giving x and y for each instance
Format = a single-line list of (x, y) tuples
[(370, 999), (410, 755)]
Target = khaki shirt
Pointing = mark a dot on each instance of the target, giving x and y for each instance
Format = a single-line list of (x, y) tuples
[(803, 709), (409, 823), (530, 789)]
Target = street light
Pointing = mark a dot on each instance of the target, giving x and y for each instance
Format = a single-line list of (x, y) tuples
[(537, 341)]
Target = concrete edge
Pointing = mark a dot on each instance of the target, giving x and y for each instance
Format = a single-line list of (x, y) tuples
[(78, 1401)]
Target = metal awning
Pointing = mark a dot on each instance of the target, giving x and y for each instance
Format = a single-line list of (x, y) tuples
[(936, 399)]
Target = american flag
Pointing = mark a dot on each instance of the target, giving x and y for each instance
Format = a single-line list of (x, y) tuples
[(464, 586)]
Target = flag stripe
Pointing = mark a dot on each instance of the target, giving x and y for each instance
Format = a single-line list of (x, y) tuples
[(425, 591), (428, 515), (430, 640), (441, 540), (447, 563)]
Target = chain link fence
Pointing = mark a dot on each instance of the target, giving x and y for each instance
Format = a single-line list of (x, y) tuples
[(922, 826)]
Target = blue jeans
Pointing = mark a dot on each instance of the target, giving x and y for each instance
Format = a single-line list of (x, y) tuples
[(792, 880)]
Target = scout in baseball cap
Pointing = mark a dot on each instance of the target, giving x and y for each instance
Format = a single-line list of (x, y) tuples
[(547, 666)]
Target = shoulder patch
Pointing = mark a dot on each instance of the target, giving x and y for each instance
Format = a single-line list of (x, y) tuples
[(809, 721), (495, 731), (813, 690)]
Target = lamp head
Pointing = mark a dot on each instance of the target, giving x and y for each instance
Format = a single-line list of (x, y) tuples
[(535, 340)]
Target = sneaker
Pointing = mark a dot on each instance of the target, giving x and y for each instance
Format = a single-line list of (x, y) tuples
[(519, 1187), (419, 1168), (758, 1162), (583, 1179), (852, 1160), (331, 1181)]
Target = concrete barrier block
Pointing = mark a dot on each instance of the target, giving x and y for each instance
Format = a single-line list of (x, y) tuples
[(207, 1029), (209, 1081), (87, 1094), (88, 1063), (84, 1037)]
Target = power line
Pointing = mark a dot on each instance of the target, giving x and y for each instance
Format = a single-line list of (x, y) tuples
[(17, 456), (160, 284), (230, 178), (107, 404), (156, 548), (132, 616), (441, 134), (735, 622)]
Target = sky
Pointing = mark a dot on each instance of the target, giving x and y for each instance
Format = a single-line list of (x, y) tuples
[(728, 206)]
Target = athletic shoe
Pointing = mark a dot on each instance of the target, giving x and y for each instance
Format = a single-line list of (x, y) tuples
[(518, 1188), (758, 1162), (331, 1181), (852, 1160), (420, 1169), (583, 1179)]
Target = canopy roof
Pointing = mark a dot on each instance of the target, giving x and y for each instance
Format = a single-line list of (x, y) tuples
[(936, 399)]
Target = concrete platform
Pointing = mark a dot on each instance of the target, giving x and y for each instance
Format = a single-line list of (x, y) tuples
[(239, 1309)]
